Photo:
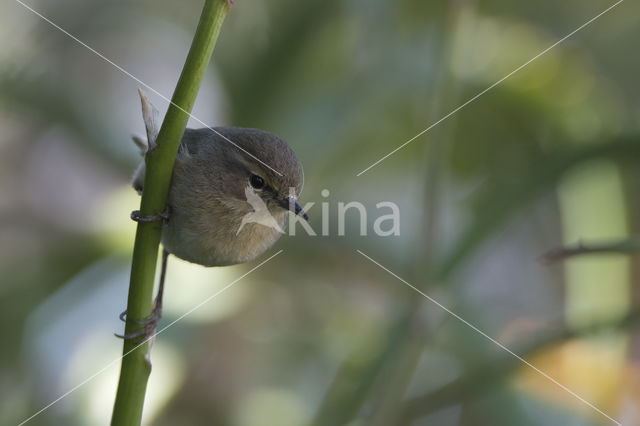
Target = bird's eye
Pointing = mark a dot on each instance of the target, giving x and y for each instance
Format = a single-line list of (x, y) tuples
[(256, 181)]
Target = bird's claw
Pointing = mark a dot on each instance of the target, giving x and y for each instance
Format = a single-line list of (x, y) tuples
[(148, 329), (147, 332), (160, 217), (153, 318), (149, 325)]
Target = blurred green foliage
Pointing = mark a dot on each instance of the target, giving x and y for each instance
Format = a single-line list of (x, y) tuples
[(322, 335)]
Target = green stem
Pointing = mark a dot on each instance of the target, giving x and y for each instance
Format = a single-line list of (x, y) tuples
[(136, 368)]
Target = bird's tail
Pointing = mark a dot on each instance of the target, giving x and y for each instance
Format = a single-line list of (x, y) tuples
[(151, 118)]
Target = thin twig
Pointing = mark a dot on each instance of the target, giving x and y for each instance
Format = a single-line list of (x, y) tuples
[(629, 246)]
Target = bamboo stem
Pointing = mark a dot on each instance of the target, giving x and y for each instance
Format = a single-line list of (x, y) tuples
[(135, 370)]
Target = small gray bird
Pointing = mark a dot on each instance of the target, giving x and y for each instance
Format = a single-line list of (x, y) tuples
[(216, 177)]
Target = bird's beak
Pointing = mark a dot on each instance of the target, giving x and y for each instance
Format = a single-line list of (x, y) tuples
[(292, 205)]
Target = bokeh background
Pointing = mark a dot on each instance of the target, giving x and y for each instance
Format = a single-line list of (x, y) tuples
[(320, 335)]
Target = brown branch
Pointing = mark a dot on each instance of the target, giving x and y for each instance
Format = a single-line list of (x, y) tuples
[(629, 246)]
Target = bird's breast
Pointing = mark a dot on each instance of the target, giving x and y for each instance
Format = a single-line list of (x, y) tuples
[(221, 241)]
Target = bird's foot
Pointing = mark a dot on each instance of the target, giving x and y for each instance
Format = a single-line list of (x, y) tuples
[(149, 325), (160, 217)]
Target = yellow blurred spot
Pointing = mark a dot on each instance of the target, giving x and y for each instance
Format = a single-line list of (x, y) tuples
[(592, 370), (94, 402), (110, 218), (592, 204), (477, 44), (189, 285), (271, 406)]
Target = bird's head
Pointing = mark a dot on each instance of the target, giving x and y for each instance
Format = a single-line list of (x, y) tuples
[(261, 163)]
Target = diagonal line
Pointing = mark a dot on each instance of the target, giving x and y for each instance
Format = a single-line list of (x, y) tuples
[(127, 73), (94, 375), (500, 345), (490, 87)]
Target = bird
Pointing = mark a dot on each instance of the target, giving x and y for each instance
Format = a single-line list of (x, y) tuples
[(230, 191)]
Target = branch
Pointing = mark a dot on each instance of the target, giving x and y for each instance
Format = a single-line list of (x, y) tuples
[(135, 368), (493, 371), (632, 245)]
